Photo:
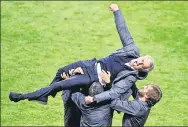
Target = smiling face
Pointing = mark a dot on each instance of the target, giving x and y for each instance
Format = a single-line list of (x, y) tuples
[(141, 63)]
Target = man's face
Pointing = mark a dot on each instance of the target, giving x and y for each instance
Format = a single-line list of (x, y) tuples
[(141, 63), (142, 91)]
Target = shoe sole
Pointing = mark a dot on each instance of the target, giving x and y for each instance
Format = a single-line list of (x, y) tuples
[(40, 102)]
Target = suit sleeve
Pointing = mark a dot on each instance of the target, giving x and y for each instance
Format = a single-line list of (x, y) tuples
[(78, 99), (122, 29), (128, 107), (117, 89)]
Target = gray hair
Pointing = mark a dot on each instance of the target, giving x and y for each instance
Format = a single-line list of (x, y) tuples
[(151, 63)]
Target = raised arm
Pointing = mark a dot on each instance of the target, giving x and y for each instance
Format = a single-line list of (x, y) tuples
[(121, 26)]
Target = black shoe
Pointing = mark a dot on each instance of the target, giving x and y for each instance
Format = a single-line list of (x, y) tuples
[(41, 100), (15, 96)]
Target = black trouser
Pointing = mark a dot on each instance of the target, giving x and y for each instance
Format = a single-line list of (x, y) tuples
[(70, 109), (74, 81), (72, 114)]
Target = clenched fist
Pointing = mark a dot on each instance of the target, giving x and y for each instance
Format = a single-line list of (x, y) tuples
[(88, 99), (114, 7)]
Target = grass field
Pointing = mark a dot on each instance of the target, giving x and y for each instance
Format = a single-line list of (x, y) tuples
[(39, 37)]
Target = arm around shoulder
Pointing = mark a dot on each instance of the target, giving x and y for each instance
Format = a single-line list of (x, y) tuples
[(118, 88)]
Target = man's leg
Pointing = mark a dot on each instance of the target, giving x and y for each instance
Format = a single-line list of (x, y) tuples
[(72, 114), (17, 97), (74, 81)]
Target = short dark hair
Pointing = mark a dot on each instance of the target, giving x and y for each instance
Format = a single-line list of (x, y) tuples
[(95, 89), (154, 95)]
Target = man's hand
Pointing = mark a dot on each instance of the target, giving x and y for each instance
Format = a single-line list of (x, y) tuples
[(72, 72), (64, 76), (114, 7), (88, 99), (105, 76), (78, 70)]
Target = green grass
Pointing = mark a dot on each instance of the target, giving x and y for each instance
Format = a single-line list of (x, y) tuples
[(39, 37)]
